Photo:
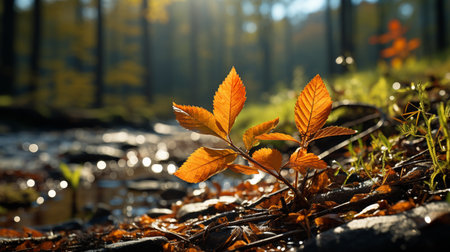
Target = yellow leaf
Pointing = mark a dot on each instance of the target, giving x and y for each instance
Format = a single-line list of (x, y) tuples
[(204, 163), (300, 160), (197, 119), (277, 136), (229, 100), (251, 133), (312, 108), (269, 158), (332, 131), (247, 170)]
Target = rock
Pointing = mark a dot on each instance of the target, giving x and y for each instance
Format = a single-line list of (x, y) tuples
[(419, 229), (222, 238), (65, 226), (101, 215), (145, 244), (193, 210), (169, 190), (156, 212)]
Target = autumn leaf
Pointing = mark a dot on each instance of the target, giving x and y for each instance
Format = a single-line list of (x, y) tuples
[(300, 160), (204, 163), (263, 128), (229, 100), (332, 131), (277, 136), (247, 170), (313, 107), (197, 119), (269, 158)]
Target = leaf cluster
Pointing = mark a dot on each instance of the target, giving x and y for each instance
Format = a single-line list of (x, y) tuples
[(312, 109)]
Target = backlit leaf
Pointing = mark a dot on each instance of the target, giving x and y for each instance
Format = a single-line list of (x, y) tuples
[(197, 119), (247, 170), (204, 163), (251, 133), (332, 131), (277, 136), (300, 160), (313, 107), (229, 100), (269, 158)]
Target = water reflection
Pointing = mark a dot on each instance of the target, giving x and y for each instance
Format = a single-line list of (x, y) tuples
[(106, 159)]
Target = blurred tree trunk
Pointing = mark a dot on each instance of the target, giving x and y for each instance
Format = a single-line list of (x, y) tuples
[(169, 48), (265, 37), (7, 59), (346, 30), (219, 50), (35, 51), (382, 24), (146, 50), (237, 36), (329, 38), (193, 51), (440, 25), (99, 67), (425, 23), (79, 22), (289, 51)]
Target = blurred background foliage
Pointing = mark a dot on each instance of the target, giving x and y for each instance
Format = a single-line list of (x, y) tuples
[(130, 59)]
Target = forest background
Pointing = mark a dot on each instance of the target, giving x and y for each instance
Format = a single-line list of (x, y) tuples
[(130, 59)]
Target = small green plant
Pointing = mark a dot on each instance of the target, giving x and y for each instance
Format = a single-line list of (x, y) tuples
[(73, 179), (411, 126)]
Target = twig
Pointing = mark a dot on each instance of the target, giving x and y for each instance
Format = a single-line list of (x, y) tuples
[(269, 240), (236, 222), (366, 132)]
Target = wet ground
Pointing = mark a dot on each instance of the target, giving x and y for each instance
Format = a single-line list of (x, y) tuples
[(125, 171)]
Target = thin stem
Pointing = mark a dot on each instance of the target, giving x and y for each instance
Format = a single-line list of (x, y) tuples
[(277, 176)]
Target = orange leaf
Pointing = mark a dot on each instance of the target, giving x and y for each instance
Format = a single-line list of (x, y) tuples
[(263, 128), (197, 119), (204, 163), (269, 158), (313, 107), (229, 100), (247, 170), (300, 160), (277, 136), (319, 183), (332, 131)]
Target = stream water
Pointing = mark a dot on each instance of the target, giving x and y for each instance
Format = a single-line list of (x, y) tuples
[(127, 171)]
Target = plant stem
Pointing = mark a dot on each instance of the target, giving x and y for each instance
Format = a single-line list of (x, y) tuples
[(298, 195)]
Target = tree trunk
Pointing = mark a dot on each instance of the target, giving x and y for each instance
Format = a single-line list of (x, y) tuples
[(236, 51), (346, 30), (440, 25), (148, 85), (329, 39), (265, 35), (193, 44), (35, 51), (289, 52), (7, 59), (99, 67)]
